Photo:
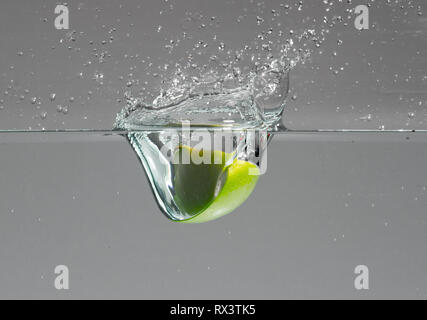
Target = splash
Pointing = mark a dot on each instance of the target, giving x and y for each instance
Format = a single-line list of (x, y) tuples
[(200, 191), (243, 96), (254, 100)]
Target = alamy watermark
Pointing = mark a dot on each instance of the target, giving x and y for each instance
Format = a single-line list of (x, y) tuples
[(62, 280), (362, 19), (213, 146), (62, 20), (361, 282)]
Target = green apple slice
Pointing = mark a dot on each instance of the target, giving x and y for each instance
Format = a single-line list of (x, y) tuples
[(210, 191)]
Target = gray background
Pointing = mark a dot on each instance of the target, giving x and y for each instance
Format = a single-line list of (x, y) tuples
[(383, 74), (325, 205)]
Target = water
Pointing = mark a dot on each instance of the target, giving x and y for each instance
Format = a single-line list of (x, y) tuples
[(235, 110), (327, 202), (192, 171), (233, 114), (185, 186), (192, 179), (198, 189)]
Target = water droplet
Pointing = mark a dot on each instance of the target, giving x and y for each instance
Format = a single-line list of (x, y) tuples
[(366, 118)]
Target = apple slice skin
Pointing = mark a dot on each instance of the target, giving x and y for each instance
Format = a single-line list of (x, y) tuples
[(236, 190)]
